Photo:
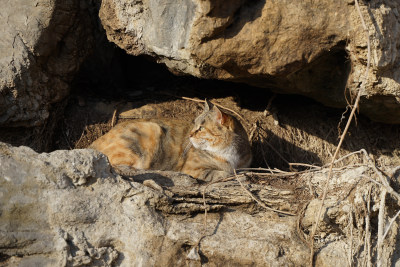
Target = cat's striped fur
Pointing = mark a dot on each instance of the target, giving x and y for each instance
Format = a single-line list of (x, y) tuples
[(211, 149)]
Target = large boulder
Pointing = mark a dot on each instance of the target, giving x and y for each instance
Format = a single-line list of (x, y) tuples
[(42, 45), (69, 208), (301, 47)]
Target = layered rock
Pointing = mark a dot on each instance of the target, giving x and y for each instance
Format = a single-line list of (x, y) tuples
[(307, 47), (68, 208), (41, 47)]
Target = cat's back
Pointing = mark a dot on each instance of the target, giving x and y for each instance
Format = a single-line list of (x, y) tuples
[(145, 144)]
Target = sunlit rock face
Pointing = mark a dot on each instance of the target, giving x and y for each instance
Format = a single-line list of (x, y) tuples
[(42, 45), (313, 48)]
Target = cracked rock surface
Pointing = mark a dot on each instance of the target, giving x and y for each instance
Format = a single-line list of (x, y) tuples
[(297, 47), (41, 47), (68, 208)]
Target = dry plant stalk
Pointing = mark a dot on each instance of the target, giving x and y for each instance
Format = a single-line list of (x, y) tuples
[(390, 224), (367, 229), (350, 225), (114, 118), (381, 219), (353, 110)]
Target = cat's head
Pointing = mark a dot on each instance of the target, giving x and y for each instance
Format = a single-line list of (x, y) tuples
[(215, 131)]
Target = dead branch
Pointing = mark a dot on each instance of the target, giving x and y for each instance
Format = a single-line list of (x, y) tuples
[(344, 157), (258, 201), (305, 165), (384, 180), (367, 229), (350, 225), (390, 224)]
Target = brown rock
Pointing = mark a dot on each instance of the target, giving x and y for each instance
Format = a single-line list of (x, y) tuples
[(301, 47)]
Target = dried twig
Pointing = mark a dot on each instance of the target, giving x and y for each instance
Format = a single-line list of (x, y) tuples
[(259, 170), (344, 157), (305, 165), (384, 180), (372, 180), (390, 224), (367, 229), (353, 110), (350, 225), (114, 118), (280, 173), (258, 201), (252, 131), (381, 225)]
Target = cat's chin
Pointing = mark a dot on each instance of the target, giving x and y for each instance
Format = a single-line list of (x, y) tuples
[(195, 144), (202, 146)]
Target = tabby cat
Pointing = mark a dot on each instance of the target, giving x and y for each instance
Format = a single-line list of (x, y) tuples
[(210, 150)]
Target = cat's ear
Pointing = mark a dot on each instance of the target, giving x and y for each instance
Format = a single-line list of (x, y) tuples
[(207, 105), (220, 117)]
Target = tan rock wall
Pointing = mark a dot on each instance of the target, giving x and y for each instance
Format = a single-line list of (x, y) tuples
[(42, 45), (297, 47)]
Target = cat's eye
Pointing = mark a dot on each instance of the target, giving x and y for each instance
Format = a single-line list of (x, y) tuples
[(201, 128)]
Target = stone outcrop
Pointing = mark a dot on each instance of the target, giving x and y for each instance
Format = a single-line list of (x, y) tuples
[(296, 47), (68, 208), (312, 48), (42, 45)]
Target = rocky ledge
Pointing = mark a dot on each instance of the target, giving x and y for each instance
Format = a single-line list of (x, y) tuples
[(69, 208)]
